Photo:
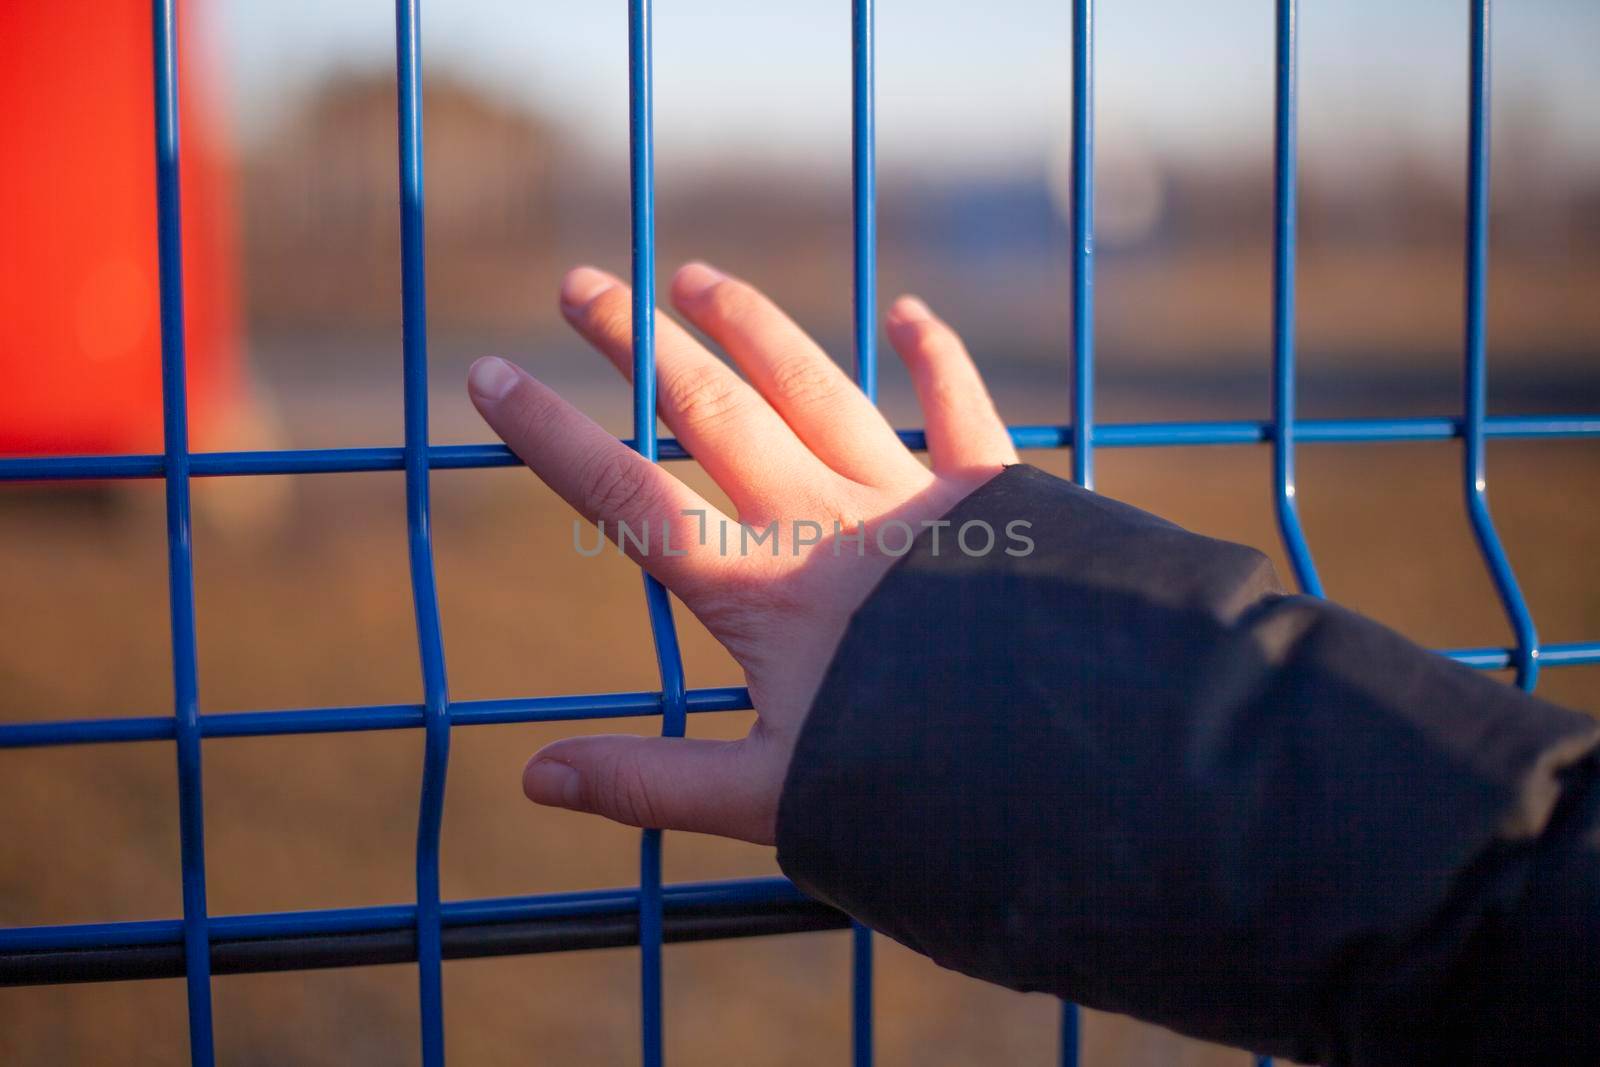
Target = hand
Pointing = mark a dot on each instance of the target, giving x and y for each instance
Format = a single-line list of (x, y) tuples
[(797, 443)]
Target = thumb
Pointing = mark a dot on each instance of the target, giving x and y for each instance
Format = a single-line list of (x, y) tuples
[(711, 787)]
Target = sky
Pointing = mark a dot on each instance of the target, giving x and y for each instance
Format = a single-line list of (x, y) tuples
[(961, 84)]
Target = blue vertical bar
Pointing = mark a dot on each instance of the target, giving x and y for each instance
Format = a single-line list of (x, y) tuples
[(424, 595), (1082, 242), (1474, 476), (864, 216), (864, 183), (1082, 211), (861, 1044), (180, 560), (1071, 1033), (674, 707), (669, 661), (642, 192), (1285, 172)]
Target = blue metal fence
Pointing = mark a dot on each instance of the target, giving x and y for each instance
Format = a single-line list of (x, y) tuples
[(650, 914)]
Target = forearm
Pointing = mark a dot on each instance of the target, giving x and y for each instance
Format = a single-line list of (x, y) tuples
[(1124, 769)]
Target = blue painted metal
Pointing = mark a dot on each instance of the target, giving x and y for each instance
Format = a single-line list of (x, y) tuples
[(669, 661), (1475, 484), (1284, 217), (1103, 435), (528, 709), (180, 559), (864, 218), (864, 191), (642, 204), (1071, 1034), (617, 901), (1082, 222), (1569, 654), (498, 711), (861, 967), (1283, 311), (424, 595)]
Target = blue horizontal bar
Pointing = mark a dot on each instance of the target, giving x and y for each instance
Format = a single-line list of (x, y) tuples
[(526, 709), (1574, 654), (1108, 435), (367, 717), (395, 916)]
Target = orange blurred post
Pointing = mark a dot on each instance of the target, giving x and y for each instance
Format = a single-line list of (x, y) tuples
[(80, 367)]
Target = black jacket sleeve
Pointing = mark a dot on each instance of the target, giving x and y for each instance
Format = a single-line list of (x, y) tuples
[(1123, 768)]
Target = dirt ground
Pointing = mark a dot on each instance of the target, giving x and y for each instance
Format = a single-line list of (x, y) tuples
[(309, 605)]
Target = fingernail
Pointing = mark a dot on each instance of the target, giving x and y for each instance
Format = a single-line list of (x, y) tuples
[(582, 285), (696, 278), (910, 309), (551, 782), (491, 378)]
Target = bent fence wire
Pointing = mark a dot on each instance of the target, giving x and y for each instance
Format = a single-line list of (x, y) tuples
[(199, 944)]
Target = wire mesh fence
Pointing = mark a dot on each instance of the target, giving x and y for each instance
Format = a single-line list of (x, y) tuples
[(199, 945)]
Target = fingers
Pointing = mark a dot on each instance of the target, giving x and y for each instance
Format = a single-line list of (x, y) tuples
[(731, 431), (815, 397), (712, 787), (602, 478), (965, 433)]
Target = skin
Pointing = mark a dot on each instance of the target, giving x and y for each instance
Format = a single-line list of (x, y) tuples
[(791, 439)]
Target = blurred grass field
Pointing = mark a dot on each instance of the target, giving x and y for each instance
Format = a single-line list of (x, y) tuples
[(311, 607)]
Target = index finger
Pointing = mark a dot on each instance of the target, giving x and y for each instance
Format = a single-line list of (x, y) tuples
[(606, 481)]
